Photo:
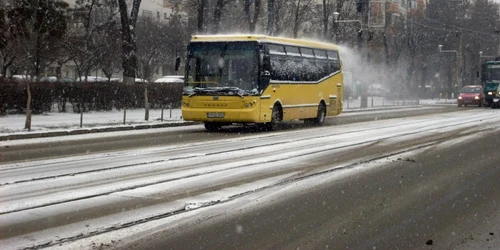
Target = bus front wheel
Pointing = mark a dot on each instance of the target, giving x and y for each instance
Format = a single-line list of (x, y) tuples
[(276, 118)]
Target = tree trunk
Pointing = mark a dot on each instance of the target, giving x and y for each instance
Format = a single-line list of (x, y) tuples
[(325, 19), (146, 102), (217, 15), (201, 11), (386, 51), (296, 21), (252, 21), (27, 124), (128, 40), (271, 11)]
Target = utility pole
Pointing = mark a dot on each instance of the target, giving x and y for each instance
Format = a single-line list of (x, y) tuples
[(363, 42), (459, 61), (498, 29)]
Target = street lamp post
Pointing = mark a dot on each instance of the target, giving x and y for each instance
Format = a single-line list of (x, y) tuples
[(336, 18), (457, 67)]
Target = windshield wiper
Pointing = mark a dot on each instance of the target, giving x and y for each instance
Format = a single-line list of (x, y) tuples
[(197, 91), (234, 90), (212, 90)]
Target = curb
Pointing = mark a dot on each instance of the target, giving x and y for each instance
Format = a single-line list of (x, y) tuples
[(150, 126), (92, 130)]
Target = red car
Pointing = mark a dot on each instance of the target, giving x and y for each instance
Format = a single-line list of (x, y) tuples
[(471, 95)]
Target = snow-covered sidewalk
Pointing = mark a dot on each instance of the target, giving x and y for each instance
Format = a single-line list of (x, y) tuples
[(55, 121), (13, 124)]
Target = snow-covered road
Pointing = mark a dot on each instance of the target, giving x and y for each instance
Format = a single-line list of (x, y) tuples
[(83, 199)]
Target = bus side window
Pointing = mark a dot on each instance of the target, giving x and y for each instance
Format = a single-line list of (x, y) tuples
[(322, 63), (309, 69), (334, 60), (278, 59), (293, 64)]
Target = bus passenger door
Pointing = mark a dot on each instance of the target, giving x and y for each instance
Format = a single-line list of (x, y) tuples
[(340, 97), (335, 101), (332, 108)]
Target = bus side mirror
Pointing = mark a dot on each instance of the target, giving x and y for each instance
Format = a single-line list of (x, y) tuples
[(266, 64), (265, 78), (177, 63)]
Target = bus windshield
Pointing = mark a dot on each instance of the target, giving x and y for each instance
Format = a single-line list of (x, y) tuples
[(491, 72), (222, 68)]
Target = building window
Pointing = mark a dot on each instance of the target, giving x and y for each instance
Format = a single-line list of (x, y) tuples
[(158, 14)]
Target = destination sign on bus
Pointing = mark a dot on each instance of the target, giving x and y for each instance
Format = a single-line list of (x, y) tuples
[(494, 66)]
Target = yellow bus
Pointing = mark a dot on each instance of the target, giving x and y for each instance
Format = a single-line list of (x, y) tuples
[(263, 80)]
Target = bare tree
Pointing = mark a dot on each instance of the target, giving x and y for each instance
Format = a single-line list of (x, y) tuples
[(217, 15), (7, 54), (129, 56), (271, 13), (252, 19), (36, 27), (201, 11), (87, 43), (326, 15)]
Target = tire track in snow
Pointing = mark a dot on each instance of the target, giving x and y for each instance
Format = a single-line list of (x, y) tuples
[(283, 158), (190, 146)]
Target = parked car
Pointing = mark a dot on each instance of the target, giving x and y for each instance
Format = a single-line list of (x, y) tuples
[(171, 79), (21, 78), (471, 95), (92, 79)]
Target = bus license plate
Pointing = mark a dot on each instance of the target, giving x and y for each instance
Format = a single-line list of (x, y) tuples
[(215, 115)]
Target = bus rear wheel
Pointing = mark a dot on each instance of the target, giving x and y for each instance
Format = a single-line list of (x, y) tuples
[(320, 118), (213, 126)]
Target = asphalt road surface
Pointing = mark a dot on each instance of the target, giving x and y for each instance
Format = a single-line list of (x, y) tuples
[(43, 148), (446, 198), (428, 182)]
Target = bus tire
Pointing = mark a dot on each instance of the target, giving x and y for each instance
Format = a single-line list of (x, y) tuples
[(213, 126), (276, 118), (320, 118)]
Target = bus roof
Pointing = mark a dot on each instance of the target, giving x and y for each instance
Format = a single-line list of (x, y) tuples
[(492, 62), (264, 38)]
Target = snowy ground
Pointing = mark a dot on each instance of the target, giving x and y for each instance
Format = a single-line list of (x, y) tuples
[(55, 121), (162, 186), (12, 124)]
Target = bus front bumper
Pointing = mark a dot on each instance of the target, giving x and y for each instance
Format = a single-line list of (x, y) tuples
[(221, 115)]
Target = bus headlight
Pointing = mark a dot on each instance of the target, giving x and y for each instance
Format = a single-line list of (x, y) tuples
[(490, 93), (250, 104)]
